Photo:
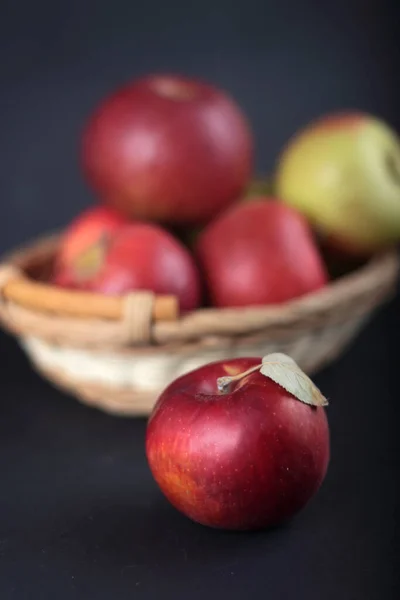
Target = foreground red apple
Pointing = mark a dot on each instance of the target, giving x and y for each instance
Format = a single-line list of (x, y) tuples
[(259, 252), (168, 148), (247, 457), (143, 256)]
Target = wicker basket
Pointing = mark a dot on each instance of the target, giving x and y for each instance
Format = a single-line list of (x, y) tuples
[(118, 353)]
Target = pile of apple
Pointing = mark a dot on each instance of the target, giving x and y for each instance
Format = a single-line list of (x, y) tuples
[(170, 160)]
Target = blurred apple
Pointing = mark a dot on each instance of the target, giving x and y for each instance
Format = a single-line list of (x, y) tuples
[(168, 148), (143, 256), (259, 252), (84, 244), (343, 173)]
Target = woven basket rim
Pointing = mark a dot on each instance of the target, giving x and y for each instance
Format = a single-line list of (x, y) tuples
[(379, 272), (46, 245)]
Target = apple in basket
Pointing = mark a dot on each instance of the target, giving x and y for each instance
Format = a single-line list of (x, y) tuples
[(138, 256), (342, 172), (85, 243), (168, 148), (259, 252), (240, 444)]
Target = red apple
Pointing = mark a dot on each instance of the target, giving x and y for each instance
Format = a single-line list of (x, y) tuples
[(92, 229), (143, 256), (168, 148), (259, 252), (248, 458)]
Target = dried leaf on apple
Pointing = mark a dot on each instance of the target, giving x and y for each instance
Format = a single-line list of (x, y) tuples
[(284, 371)]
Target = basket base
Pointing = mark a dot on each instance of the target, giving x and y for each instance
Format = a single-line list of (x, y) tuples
[(129, 383)]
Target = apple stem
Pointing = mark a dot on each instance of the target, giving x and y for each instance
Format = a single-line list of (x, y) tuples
[(224, 383)]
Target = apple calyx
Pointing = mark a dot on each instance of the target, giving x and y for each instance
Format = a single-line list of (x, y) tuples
[(284, 371)]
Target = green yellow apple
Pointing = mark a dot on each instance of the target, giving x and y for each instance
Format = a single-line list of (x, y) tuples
[(342, 172)]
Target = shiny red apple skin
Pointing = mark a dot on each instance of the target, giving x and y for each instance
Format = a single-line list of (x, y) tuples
[(94, 225), (259, 252), (245, 460), (144, 256), (168, 148)]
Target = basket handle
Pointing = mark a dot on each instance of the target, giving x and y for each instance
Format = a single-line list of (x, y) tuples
[(18, 288)]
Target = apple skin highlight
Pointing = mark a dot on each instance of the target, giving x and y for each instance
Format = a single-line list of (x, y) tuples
[(243, 460)]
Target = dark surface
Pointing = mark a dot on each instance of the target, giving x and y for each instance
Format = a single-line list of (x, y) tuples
[(80, 517)]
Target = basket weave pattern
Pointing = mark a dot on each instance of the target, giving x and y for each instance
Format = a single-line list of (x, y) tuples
[(119, 353)]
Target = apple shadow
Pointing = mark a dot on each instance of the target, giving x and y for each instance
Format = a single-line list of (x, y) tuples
[(151, 534)]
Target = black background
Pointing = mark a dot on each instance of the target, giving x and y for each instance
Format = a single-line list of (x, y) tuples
[(80, 517)]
